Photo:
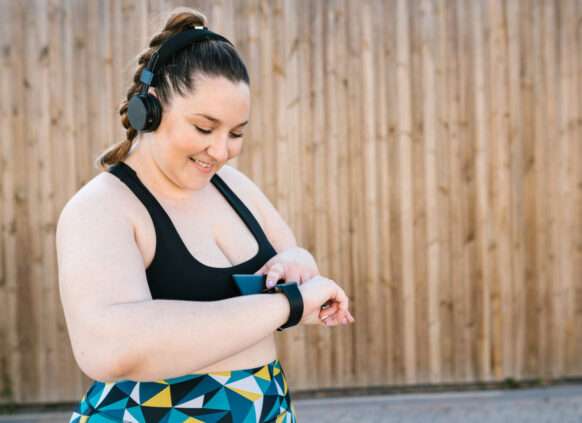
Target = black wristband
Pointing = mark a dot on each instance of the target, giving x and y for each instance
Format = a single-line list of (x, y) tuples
[(291, 291)]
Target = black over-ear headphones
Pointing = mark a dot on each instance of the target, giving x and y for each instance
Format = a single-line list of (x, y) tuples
[(144, 110)]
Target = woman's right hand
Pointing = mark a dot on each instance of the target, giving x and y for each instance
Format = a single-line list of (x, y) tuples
[(319, 291)]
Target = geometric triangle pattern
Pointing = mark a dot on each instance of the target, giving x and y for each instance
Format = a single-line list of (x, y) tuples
[(246, 396)]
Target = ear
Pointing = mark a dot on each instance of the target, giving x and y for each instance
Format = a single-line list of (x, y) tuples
[(152, 91)]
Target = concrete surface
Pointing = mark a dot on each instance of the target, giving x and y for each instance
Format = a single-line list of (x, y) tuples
[(560, 404)]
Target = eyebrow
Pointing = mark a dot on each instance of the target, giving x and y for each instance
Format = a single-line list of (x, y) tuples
[(217, 121)]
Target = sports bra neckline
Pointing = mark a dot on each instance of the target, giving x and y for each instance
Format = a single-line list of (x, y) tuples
[(224, 190)]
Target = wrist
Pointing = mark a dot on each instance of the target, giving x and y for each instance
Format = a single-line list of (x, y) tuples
[(295, 302)]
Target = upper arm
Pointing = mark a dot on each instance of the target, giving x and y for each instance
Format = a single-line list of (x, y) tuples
[(276, 229), (99, 264)]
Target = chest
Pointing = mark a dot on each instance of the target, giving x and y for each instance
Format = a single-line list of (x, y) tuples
[(208, 227)]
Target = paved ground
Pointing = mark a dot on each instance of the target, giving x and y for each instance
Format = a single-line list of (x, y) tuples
[(561, 404)]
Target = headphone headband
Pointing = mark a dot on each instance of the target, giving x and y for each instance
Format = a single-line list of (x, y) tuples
[(174, 44), (144, 110)]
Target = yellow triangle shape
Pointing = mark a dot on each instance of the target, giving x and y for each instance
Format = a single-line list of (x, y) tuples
[(220, 374), (248, 395), (276, 371), (263, 373), (281, 418), (192, 420), (163, 399)]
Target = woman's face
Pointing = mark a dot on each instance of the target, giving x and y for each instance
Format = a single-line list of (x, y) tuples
[(200, 132)]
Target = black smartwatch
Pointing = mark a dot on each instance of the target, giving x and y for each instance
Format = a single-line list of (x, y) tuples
[(291, 291)]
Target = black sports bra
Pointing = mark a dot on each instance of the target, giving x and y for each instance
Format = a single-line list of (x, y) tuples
[(174, 273)]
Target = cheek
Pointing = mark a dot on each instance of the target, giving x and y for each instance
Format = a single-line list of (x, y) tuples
[(235, 148)]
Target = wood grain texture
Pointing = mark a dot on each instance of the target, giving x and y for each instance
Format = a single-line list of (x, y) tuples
[(427, 152)]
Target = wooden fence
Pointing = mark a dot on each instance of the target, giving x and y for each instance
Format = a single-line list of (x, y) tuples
[(428, 153)]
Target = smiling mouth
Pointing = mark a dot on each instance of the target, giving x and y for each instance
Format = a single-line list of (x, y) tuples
[(201, 163)]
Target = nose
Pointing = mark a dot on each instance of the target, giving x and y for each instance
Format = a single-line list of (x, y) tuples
[(218, 149)]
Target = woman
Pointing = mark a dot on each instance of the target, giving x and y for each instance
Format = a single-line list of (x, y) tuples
[(147, 251)]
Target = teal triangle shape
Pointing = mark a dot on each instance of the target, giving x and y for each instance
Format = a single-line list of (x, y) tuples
[(116, 406), (136, 413), (175, 416), (219, 401), (251, 416), (263, 384)]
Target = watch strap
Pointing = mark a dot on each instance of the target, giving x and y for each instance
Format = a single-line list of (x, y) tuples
[(291, 291)]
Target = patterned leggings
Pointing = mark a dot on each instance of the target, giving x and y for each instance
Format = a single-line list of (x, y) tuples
[(252, 395)]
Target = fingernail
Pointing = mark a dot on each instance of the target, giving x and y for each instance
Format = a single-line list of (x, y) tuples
[(324, 317), (270, 284)]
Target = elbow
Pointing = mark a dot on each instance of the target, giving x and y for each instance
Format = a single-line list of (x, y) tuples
[(105, 364)]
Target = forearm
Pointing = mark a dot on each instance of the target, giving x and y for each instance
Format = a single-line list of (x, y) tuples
[(158, 339)]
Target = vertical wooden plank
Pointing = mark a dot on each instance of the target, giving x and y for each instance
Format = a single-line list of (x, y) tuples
[(28, 303), (516, 188), (452, 187), (418, 195), (566, 164), (577, 200), (355, 182), (251, 158), (467, 192), (266, 77), (369, 203), (10, 115), (484, 230), (337, 43), (443, 201), (383, 186), (406, 206), (429, 105), (396, 307), (530, 353), (501, 293), (555, 283), (543, 247)]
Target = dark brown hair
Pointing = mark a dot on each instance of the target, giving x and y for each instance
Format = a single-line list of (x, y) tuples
[(178, 75)]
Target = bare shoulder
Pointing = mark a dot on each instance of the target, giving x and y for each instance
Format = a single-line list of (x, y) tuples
[(98, 198), (237, 180)]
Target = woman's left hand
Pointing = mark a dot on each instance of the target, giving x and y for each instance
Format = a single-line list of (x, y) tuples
[(293, 264)]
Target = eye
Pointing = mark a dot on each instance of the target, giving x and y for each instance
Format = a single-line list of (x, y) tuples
[(236, 135), (203, 131)]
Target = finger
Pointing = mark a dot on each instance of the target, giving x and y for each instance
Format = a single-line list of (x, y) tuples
[(305, 277), (292, 274), (275, 273), (330, 311)]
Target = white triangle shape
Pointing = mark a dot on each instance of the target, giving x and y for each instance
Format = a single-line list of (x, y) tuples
[(279, 390), (74, 416), (248, 384), (135, 393), (104, 393), (127, 417), (197, 402), (258, 407), (220, 379)]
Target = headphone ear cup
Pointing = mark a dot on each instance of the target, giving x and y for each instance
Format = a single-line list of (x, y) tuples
[(155, 113), (144, 112)]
